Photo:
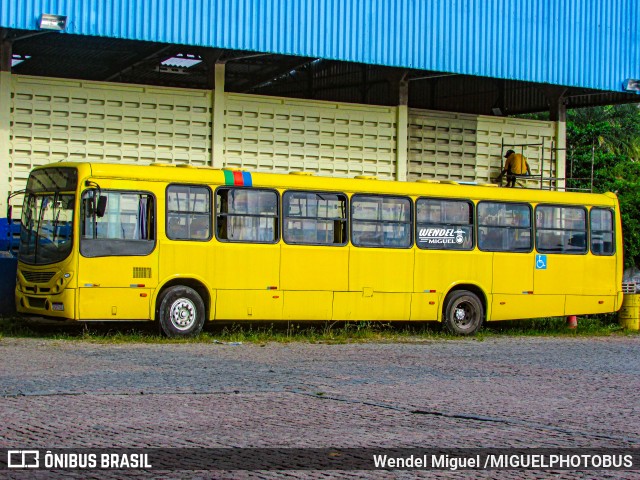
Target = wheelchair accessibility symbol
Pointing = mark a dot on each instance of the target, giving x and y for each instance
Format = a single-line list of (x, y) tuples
[(541, 262)]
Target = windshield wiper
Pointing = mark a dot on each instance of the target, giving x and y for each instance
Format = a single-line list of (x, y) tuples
[(43, 205)]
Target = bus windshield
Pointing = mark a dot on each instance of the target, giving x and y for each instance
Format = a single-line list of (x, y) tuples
[(46, 230)]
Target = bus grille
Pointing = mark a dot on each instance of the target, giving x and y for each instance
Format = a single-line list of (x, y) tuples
[(39, 303), (38, 277), (629, 287), (141, 272)]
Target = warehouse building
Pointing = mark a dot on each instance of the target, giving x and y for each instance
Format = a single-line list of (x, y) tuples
[(397, 89)]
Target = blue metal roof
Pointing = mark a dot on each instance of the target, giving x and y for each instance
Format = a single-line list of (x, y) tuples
[(579, 43)]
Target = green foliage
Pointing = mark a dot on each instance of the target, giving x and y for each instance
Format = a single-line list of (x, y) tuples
[(610, 138), (615, 129), (237, 334)]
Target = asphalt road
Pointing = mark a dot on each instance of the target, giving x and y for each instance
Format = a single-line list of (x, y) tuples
[(500, 392)]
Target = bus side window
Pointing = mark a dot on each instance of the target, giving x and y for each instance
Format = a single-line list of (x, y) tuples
[(188, 212), (561, 229), (445, 224), (314, 218), (246, 215), (126, 228), (602, 231), (381, 221), (504, 227)]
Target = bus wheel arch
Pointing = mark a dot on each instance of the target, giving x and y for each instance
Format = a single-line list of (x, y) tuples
[(182, 306), (464, 309)]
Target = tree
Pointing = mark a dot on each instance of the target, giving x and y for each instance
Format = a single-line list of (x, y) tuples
[(614, 128), (611, 137)]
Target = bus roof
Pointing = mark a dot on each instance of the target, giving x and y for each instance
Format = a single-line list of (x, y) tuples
[(170, 173)]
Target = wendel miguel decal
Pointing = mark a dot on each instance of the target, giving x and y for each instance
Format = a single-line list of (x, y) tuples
[(432, 236)]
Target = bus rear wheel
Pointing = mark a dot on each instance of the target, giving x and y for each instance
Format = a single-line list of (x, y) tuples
[(463, 312), (181, 312)]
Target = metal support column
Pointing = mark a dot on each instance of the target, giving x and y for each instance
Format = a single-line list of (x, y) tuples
[(402, 131), (219, 107), (558, 114)]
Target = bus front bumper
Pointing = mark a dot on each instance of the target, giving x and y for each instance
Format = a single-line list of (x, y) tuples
[(60, 306)]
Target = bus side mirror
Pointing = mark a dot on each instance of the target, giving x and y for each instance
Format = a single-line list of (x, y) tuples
[(9, 212), (101, 207)]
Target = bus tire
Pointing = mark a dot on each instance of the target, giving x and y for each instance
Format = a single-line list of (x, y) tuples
[(181, 312), (463, 313)]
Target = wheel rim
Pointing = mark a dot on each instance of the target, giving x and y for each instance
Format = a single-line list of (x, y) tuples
[(183, 314), (464, 315)]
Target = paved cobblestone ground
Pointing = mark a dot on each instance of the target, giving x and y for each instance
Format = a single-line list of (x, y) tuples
[(501, 392)]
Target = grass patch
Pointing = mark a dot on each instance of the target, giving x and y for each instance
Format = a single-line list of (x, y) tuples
[(304, 332), (588, 325)]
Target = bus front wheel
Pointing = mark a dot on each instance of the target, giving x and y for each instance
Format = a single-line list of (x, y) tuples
[(463, 312), (181, 312)]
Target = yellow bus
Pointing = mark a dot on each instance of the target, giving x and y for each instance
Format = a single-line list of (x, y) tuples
[(183, 245)]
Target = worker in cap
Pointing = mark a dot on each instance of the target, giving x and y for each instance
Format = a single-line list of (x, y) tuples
[(515, 164)]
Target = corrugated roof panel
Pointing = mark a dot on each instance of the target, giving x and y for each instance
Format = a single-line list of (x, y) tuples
[(583, 43)]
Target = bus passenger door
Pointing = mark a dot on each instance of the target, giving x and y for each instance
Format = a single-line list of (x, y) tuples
[(118, 263)]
